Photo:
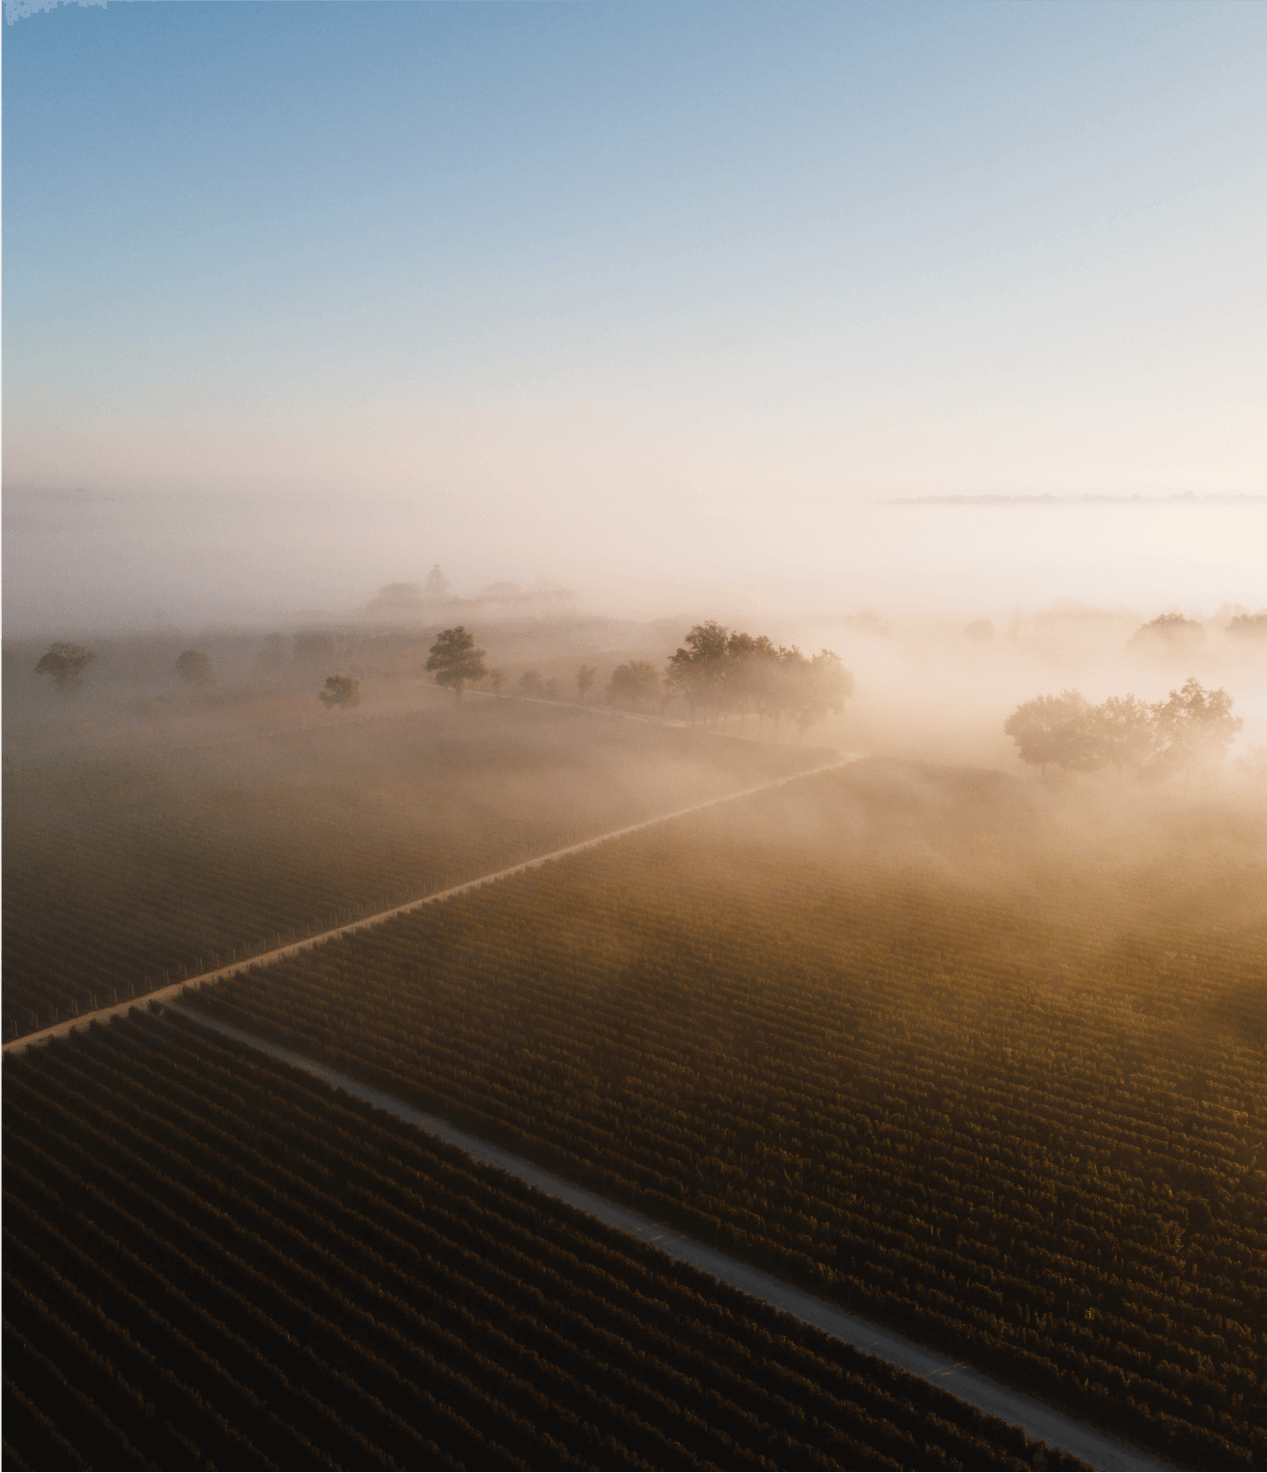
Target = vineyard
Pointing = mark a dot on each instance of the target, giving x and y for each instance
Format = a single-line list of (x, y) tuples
[(908, 1037), (214, 1261), (120, 873)]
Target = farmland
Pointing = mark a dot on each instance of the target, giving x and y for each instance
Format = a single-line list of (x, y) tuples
[(983, 1066), (212, 1260), (121, 870)]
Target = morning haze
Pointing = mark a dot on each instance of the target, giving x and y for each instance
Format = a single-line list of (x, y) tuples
[(635, 736)]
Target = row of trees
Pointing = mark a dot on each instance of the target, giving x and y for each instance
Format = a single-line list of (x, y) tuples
[(1191, 730), (718, 672)]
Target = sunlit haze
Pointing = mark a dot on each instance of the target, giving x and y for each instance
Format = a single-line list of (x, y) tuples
[(653, 300)]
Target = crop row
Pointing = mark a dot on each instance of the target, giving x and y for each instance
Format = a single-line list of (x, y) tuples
[(1026, 1123), (119, 874), (211, 1259)]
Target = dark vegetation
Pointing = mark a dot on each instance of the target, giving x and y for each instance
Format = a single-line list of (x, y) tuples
[(989, 1070), (123, 870), (1190, 731), (214, 1261)]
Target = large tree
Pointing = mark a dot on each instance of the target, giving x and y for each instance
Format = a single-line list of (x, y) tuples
[(584, 679), (1059, 729), (1194, 727), (698, 671), (455, 660), (65, 664)]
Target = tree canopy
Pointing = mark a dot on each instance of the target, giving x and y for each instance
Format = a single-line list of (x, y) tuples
[(722, 672), (633, 683), (65, 664), (455, 660), (1193, 728), (584, 679), (341, 691)]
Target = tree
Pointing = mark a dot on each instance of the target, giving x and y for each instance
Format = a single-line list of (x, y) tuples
[(66, 664), (633, 682), (455, 659), (1167, 633), (530, 684), (824, 687), (1124, 732), (1059, 729), (340, 691), (195, 667), (496, 680), (697, 672), (1194, 727), (554, 689), (584, 679)]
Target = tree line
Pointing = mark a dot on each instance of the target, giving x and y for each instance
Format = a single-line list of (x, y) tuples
[(717, 672), (1189, 731)]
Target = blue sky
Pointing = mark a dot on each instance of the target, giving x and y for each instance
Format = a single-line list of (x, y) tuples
[(524, 286)]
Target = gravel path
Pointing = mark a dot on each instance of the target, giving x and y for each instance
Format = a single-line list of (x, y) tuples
[(1040, 1422)]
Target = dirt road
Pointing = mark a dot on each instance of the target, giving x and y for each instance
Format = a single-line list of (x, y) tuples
[(267, 958), (1039, 1421)]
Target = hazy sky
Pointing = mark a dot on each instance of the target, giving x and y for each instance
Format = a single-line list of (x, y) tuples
[(306, 297)]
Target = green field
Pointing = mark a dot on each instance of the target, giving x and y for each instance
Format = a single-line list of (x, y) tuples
[(975, 1060)]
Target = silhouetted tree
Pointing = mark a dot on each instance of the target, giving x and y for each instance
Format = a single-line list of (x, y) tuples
[(634, 682), (584, 679), (698, 671), (530, 684), (496, 681), (455, 660), (195, 667), (1194, 727), (1059, 729), (553, 689), (65, 664), (1124, 732), (340, 691)]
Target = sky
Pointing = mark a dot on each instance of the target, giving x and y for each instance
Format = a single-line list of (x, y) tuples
[(302, 298)]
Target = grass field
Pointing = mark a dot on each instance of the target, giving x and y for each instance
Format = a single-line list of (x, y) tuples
[(214, 1261), (122, 870), (981, 1063)]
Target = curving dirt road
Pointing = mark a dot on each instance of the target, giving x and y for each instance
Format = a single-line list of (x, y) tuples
[(1040, 1422)]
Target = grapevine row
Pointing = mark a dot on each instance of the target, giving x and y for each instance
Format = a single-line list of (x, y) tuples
[(212, 1258)]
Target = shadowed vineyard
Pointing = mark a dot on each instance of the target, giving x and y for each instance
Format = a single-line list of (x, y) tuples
[(121, 872), (214, 1261), (909, 1037)]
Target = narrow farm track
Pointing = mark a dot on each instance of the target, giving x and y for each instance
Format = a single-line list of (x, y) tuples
[(1040, 1422), (174, 989)]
